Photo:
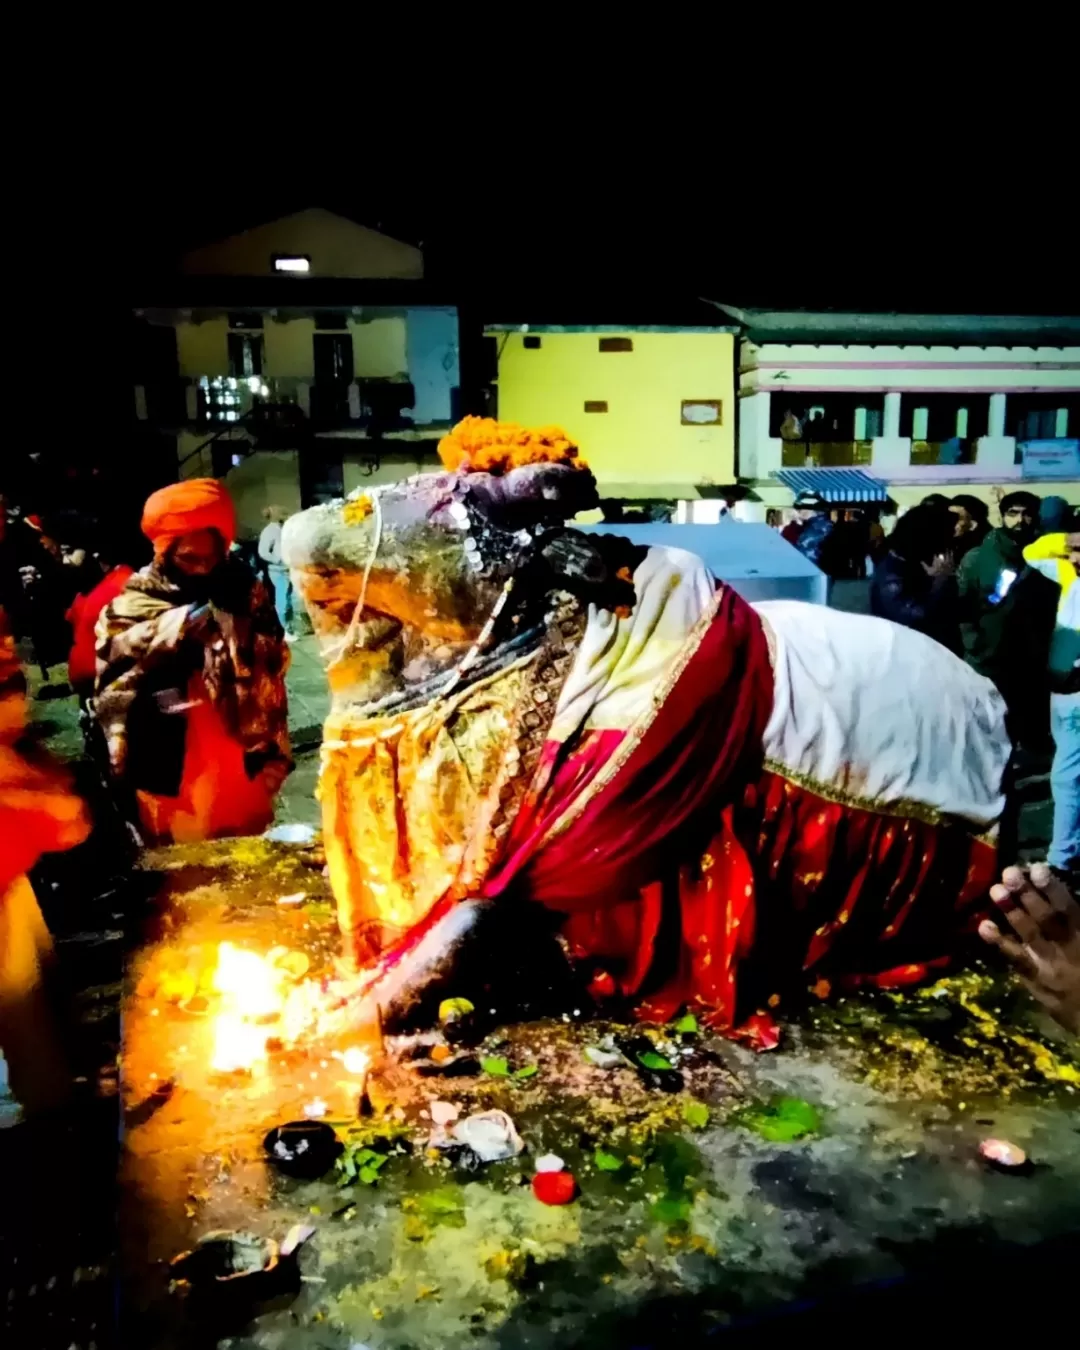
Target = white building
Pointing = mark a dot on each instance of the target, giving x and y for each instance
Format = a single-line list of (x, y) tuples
[(918, 402)]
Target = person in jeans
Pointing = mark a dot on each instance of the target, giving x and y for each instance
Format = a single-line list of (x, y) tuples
[(270, 553), (1057, 556)]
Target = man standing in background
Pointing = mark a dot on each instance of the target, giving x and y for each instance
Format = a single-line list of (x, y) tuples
[(1006, 627), (270, 553), (1057, 556)]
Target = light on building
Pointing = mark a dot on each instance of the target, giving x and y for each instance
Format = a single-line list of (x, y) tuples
[(291, 262)]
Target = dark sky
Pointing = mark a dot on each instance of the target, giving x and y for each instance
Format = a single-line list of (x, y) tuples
[(846, 245)]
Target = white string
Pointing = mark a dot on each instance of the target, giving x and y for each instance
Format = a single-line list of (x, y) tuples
[(354, 622)]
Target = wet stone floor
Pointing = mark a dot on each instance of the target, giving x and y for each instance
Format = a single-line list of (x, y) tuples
[(849, 1155)]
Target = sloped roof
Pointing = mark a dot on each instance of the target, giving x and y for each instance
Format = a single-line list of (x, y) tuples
[(337, 247), (767, 325)]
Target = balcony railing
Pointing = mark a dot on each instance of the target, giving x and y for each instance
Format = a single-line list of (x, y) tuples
[(826, 454), (223, 400), (955, 451)]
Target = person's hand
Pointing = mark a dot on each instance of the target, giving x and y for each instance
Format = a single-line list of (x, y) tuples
[(1045, 917), (198, 621), (942, 566), (273, 774)]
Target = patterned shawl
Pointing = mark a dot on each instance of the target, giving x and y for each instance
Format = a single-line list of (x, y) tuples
[(243, 661)]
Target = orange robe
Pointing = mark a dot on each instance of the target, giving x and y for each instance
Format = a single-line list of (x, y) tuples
[(216, 799)]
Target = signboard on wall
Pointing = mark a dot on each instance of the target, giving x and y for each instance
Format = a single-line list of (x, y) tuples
[(1050, 459)]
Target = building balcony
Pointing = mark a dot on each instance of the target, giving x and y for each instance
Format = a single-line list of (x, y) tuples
[(825, 454), (211, 402)]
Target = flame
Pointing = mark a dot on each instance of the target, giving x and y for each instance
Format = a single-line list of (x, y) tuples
[(252, 993), (356, 1060)]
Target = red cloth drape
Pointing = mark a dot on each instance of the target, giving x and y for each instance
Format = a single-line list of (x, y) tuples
[(700, 749)]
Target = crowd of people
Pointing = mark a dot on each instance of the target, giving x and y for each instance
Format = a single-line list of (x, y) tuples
[(1006, 599)]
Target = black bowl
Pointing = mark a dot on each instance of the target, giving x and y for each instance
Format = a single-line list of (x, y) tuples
[(303, 1148)]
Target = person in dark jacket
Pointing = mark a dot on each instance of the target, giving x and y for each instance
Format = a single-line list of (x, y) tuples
[(972, 520), (914, 584), (1005, 619), (812, 530)]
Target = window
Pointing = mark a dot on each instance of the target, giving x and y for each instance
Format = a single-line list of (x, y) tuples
[(532, 344), (1042, 417), (333, 358), (595, 405), (943, 417), (616, 344), (220, 399), (245, 355), (297, 263), (823, 418)]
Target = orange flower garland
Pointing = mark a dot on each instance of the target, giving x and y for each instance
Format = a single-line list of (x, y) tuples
[(482, 445)]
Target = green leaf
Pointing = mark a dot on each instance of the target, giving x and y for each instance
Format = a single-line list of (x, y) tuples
[(607, 1162), (672, 1209), (651, 1060), (782, 1120), (529, 1071), (687, 1025), (696, 1114), (369, 1175), (442, 1202), (496, 1068), (450, 1008)]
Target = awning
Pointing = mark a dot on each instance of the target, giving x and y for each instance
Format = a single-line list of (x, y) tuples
[(834, 485)]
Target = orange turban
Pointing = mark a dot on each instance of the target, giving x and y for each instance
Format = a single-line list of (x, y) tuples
[(196, 504)]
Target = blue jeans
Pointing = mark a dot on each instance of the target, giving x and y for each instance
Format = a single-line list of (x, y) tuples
[(1065, 780), (282, 593)]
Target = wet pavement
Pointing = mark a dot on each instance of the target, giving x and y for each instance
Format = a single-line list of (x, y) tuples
[(847, 1157)]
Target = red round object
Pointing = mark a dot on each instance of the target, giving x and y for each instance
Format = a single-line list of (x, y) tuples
[(602, 985), (554, 1188)]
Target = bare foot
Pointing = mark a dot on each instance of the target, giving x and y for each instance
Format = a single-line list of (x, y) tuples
[(1045, 917)]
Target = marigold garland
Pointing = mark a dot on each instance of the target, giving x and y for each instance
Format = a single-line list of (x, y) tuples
[(481, 444), (358, 509)]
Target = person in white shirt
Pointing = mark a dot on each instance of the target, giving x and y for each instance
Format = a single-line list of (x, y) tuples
[(270, 553)]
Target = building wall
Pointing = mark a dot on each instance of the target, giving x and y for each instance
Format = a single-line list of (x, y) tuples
[(269, 478), (336, 246), (379, 348), (433, 362), (639, 445), (801, 366), (288, 348), (203, 348)]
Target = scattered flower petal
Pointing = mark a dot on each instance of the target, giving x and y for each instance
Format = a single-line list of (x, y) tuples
[(554, 1188)]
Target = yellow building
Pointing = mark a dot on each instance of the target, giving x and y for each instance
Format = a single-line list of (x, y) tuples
[(652, 408)]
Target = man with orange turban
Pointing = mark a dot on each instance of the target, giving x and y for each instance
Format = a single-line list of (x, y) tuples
[(191, 677)]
